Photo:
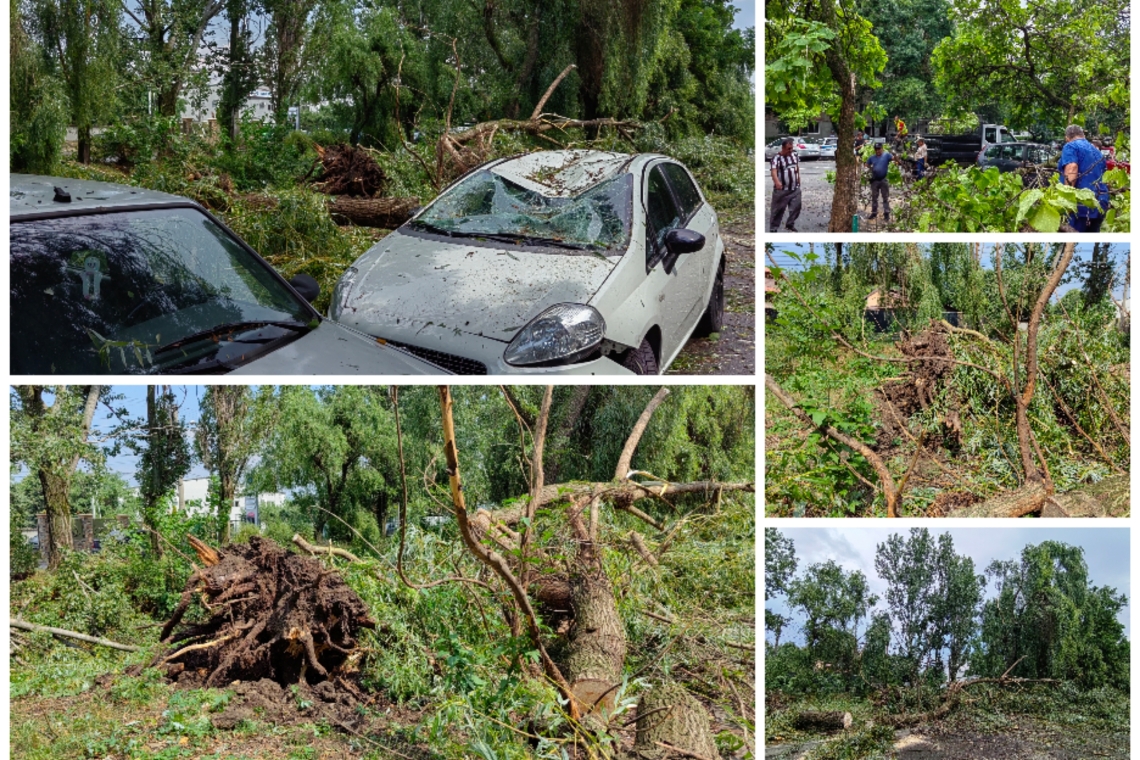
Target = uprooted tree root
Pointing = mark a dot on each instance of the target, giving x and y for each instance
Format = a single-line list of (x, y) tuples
[(930, 367), (271, 615), (350, 170)]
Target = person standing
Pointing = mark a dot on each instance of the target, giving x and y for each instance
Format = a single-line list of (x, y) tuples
[(879, 164), (859, 141), (920, 159), (786, 193), (1082, 166)]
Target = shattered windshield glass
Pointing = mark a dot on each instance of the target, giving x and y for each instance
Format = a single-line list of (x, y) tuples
[(490, 205), (139, 292)]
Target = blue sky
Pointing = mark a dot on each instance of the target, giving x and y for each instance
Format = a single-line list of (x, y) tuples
[(1106, 554), (1082, 253), (745, 15)]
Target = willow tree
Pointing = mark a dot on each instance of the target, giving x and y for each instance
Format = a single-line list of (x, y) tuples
[(1047, 621), (49, 428), (230, 432), (83, 38), (817, 54), (171, 38)]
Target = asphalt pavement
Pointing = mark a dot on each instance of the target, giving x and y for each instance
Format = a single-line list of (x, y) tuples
[(816, 192), (815, 210)]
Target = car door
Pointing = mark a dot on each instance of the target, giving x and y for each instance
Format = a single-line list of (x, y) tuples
[(679, 280)]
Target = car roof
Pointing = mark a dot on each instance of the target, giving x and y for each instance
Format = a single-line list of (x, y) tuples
[(566, 173), (30, 194)]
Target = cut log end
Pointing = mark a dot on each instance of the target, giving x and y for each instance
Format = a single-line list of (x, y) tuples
[(812, 720)]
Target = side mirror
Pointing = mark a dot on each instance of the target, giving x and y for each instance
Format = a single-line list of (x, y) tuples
[(306, 286), (684, 241)]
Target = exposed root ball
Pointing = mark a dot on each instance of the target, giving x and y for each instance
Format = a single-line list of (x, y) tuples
[(350, 170), (272, 614)]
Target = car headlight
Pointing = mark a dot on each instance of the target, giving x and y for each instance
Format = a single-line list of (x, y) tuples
[(341, 292), (563, 334)]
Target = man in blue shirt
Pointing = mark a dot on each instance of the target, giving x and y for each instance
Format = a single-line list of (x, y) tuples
[(879, 164), (1082, 166)]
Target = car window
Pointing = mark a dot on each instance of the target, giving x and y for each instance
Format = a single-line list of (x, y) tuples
[(107, 292), (994, 151), (686, 192), (662, 215), (489, 204)]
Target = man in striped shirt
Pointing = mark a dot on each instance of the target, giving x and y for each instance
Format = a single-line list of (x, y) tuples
[(786, 187)]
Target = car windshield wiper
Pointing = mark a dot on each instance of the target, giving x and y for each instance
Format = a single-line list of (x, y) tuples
[(433, 228), (231, 327)]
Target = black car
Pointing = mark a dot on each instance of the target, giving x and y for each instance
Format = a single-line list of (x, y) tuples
[(1034, 161)]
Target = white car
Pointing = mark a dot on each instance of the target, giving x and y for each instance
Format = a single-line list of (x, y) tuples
[(578, 262), (804, 148)]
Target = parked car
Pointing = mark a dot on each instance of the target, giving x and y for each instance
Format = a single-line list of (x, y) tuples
[(1034, 161), (110, 279), (828, 147), (577, 261), (804, 148)]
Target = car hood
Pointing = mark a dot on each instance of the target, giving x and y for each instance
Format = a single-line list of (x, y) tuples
[(331, 349), (408, 283)]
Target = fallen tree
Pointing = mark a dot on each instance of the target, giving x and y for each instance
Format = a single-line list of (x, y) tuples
[(929, 361), (576, 595)]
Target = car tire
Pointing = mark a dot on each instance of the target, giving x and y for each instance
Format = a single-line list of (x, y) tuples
[(713, 319), (642, 361)]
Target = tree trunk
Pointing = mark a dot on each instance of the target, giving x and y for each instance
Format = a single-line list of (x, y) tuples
[(597, 643), (59, 515), (811, 720), (149, 505), (670, 715), (84, 150), (844, 201), (385, 213)]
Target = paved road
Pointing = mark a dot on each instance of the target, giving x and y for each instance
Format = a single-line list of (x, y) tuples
[(815, 211)]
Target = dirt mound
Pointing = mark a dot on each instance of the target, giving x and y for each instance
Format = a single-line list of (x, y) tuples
[(268, 701), (917, 389), (271, 615), (350, 170)]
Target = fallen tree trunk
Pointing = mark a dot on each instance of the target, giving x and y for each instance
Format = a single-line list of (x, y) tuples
[(951, 697), (17, 623), (384, 213), (812, 720), (670, 717), (1025, 500)]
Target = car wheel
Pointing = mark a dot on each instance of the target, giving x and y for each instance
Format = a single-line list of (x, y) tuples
[(713, 318), (642, 361)]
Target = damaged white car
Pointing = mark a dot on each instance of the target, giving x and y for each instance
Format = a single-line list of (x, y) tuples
[(573, 262)]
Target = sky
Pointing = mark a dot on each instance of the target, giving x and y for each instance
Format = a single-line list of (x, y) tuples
[(745, 15), (134, 400), (1083, 252), (1106, 554)]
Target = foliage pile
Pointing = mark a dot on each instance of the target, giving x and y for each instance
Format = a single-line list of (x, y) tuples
[(1047, 622), (963, 439)]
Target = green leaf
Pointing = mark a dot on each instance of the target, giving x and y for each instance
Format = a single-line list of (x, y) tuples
[(1046, 219)]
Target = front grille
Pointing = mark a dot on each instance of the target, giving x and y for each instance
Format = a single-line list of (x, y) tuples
[(460, 365)]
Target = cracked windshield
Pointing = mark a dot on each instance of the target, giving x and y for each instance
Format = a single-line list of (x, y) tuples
[(487, 204)]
